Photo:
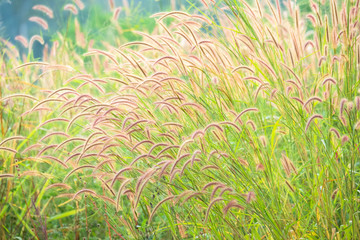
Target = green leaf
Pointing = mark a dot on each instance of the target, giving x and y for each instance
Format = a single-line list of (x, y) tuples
[(65, 214)]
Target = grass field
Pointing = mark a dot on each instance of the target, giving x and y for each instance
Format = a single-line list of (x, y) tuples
[(223, 120)]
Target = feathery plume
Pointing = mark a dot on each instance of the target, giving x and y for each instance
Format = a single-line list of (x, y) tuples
[(311, 99), (8, 149), (357, 125), (343, 101), (231, 204), (250, 197), (209, 167), (336, 132), (142, 142), (120, 191), (311, 119), (252, 124), (287, 165), (330, 80), (357, 103), (72, 8), (212, 184), (215, 200), (158, 205), (76, 169), (61, 185), (44, 9), (344, 139), (85, 191), (245, 111), (40, 21), (6, 175), (116, 13), (11, 139), (79, 4), (22, 40)]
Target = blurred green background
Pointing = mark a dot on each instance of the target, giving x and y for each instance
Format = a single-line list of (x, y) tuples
[(94, 19)]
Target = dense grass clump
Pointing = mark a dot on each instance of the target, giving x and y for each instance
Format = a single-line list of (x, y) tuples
[(235, 120)]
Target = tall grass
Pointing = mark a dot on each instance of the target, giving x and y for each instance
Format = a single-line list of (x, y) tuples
[(239, 123)]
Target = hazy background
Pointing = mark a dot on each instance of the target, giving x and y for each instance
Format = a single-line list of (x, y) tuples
[(95, 19), (15, 14)]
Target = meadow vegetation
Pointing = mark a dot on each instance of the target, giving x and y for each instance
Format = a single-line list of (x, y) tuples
[(230, 119)]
